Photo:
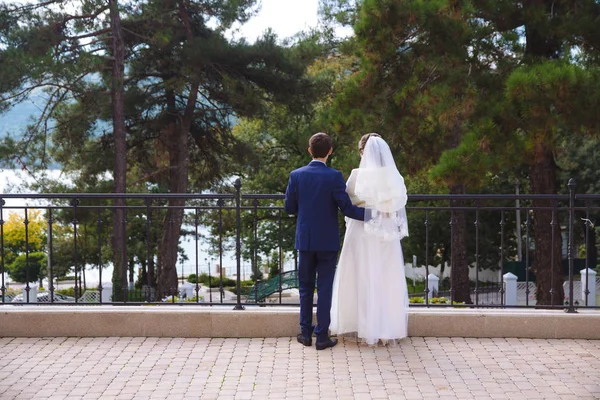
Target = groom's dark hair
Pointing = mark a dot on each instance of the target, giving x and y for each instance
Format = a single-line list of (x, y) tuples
[(319, 144)]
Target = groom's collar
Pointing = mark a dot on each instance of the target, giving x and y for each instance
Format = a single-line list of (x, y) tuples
[(318, 161)]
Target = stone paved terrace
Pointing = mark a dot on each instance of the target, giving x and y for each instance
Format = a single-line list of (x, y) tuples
[(419, 368)]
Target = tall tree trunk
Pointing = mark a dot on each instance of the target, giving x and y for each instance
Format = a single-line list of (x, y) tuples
[(459, 263), (177, 134), (549, 278), (547, 259), (459, 273), (120, 170)]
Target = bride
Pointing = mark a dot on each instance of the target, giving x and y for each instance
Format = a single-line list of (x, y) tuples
[(370, 298)]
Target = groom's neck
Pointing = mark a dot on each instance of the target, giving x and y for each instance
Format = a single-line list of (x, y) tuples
[(324, 159)]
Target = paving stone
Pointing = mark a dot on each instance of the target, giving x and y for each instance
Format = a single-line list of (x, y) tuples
[(243, 369)]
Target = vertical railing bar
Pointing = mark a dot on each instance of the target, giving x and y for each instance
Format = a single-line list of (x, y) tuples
[(74, 204), (587, 252), (209, 283), (502, 291), (238, 240), (552, 260), (26, 222), (477, 254), (451, 257), (220, 204), (149, 255), (99, 230), (527, 224), (427, 257), (196, 221), (571, 247), (50, 256), (280, 255), (255, 268), (125, 271), (2, 271)]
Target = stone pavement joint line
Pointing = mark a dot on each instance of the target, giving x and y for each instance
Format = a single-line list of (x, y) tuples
[(418, 368)]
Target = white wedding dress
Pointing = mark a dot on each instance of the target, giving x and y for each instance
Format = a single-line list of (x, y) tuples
[(370, 297)]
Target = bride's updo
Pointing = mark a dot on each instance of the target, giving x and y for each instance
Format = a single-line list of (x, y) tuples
[(363, 141)]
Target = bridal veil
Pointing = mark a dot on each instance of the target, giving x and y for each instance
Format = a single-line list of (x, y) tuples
[(381, 187)]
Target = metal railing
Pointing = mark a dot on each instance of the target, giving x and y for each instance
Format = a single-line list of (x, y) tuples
[(247, 226)]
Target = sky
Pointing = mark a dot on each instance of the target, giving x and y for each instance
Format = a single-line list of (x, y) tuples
[(285, 17)]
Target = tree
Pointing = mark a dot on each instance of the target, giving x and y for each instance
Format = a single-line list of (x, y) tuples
[(28, 267), (552, 90), (489, 85), (117, 93), (23, 234), (577, 158), (273, 264), (418, 83), (199, 82), (185, 84), (64, 53)]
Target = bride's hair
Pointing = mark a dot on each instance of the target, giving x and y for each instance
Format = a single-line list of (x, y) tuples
[(363, 141)]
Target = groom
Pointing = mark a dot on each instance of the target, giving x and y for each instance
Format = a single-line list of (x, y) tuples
[(315, 193)]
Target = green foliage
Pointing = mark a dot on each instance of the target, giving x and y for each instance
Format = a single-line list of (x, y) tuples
[(433, 300), (273, 265), (28, 268), (18, 238), (67, 292), (215, 281), (244, 289)]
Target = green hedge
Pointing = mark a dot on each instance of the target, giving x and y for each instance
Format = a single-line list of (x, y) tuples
[(215, 281)]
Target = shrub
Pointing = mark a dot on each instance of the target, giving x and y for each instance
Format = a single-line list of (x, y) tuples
[(244, 290), (29, 267), (215, 281), (67, 292), (433, 300)]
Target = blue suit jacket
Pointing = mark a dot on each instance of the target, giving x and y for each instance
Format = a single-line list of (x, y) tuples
[(315, 193)]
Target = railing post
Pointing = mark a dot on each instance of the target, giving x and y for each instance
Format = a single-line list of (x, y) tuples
[(31, 293), (27, 286), (50, 257), (588, 287), (510, 289), (74, 204), (427, 290), (238, 241), (99, 233), (106, 293), (571, 248)]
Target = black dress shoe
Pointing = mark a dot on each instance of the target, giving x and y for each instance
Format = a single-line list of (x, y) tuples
[(326, 344), (307, 341)]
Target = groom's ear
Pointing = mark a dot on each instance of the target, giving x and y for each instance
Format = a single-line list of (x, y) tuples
[(310, 152), (330, 151)]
